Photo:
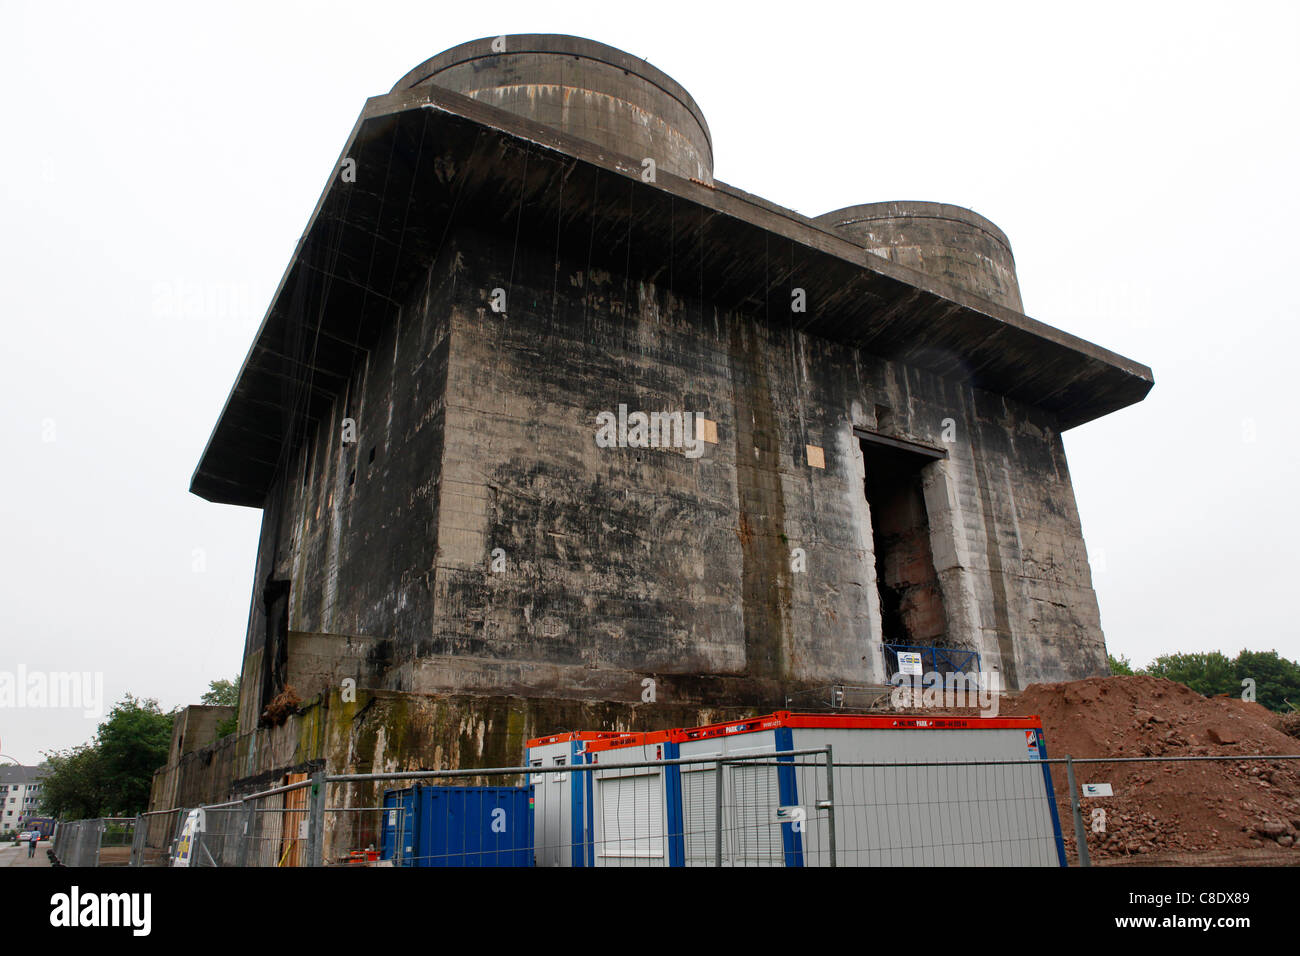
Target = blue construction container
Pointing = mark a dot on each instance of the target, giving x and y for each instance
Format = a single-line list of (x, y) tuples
[(458, 826)]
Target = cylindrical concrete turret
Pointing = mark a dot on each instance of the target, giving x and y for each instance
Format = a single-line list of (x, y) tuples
[(583, 88), (947, 242)]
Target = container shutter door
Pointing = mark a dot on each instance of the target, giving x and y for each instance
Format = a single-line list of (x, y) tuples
[(631, 816), (754, 799), (699, 813)]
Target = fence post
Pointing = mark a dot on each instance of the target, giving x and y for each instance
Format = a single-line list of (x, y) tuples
[(1080, 838), (199, 833), (136, 835), (717, 815), (399, 832), (830, 802), (246, 834), (316, 820)]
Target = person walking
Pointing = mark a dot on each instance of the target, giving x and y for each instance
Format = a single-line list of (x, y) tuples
[(31, 843)]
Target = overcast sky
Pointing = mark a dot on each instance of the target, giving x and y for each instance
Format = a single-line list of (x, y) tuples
[(159, 163)]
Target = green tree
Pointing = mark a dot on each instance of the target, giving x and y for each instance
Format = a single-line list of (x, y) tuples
[(133, 742), (1209, 673), (1120, 665), (226, 694), (1277, 680), (75, 788), (111, 775), (223, 693)]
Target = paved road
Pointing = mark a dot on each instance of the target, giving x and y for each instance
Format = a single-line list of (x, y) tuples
[(11, 855)]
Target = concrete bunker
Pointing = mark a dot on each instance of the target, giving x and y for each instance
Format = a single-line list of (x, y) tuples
[(518, 156)]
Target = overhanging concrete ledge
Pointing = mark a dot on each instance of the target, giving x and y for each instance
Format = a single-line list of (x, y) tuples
[(429, 159)]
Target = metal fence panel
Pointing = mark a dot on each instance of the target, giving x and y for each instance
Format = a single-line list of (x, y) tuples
[(790, 808), (116, 835), (155, 833)]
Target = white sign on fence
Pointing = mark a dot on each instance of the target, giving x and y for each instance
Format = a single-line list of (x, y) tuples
[(909, 662), (795, 816)]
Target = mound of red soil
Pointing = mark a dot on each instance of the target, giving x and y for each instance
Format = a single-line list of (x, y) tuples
[(1178, 807)]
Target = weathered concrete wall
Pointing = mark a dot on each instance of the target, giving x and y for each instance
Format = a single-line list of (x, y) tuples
[(625, 562), (193, 730), (622, 564), (1021, 540), (196, 726), (384, 731), (200, 776), (319, 663), (354, 531), (363, 523)]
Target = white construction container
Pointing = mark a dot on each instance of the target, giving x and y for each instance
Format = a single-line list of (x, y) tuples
[(635, 819), (908, 791), (561, 801)]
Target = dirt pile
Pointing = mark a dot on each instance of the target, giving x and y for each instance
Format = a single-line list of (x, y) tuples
[(1188, 807), (1290, 724)]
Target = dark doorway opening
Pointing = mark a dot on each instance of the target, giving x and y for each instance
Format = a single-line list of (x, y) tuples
[(911, 602), (276, 651)]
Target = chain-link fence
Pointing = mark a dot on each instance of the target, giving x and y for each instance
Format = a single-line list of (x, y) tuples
[(277, 827), (265, 829), (76, 843), (788, 808), (103, 841), (769, 812), (947, 813), (1190, 821), (156, 833)]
